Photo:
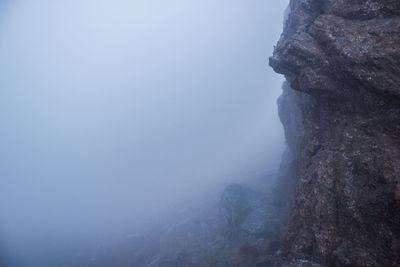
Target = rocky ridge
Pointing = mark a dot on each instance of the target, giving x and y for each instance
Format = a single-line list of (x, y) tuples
[(341, 112)]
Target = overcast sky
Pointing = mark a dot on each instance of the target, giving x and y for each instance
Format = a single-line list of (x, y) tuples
[(112, 111)]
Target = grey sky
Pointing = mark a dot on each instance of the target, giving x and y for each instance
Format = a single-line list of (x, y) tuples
[(112, 111)]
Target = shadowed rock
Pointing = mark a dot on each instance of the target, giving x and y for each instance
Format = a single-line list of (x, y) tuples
[(341, 113)]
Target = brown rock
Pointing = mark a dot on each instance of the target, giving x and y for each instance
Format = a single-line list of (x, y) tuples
[(341, 114)]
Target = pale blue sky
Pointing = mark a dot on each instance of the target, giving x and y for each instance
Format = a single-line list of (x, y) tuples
[(112, 111)]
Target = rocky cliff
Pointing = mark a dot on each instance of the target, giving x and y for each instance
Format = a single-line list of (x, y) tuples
[(341, 113)]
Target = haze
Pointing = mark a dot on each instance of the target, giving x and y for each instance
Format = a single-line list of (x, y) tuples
[(113, 113)]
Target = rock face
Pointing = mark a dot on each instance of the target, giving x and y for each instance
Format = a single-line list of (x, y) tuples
[(247, 210), (341, 113)]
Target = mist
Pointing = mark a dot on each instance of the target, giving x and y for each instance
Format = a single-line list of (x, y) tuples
[(115, 113)]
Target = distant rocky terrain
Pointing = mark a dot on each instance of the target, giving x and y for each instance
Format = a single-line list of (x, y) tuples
[(240, 227), (336, 201), (341, 112)]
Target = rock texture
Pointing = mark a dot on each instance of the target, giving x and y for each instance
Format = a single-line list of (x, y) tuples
[(341, 113)]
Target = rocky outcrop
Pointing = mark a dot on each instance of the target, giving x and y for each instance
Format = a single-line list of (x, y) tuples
[(240, 226), (254, 212), (243, 230), (341, 113)]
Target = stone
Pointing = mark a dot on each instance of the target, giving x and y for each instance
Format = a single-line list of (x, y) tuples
[(341, 112)]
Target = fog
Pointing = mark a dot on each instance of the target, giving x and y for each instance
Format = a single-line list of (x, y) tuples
[(114, 113)]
